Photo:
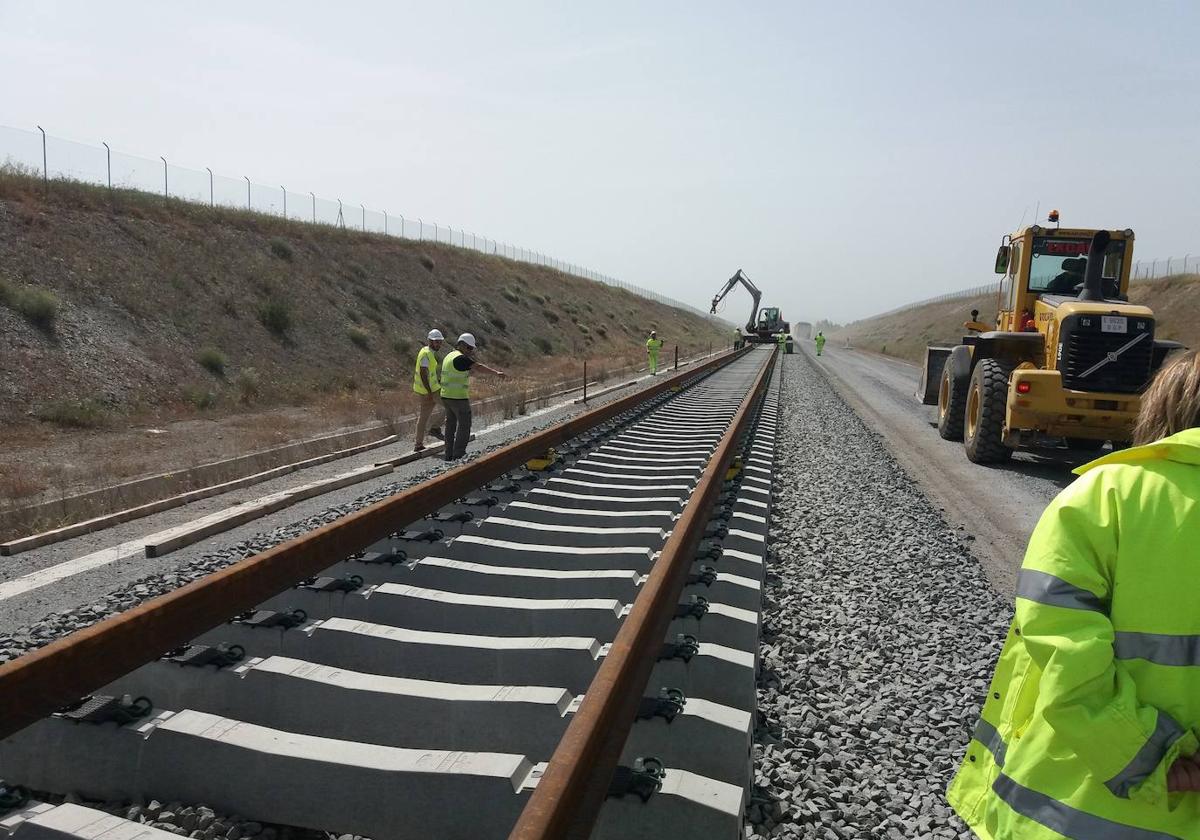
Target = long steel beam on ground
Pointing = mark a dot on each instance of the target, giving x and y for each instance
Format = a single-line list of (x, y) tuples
[(568, 797)]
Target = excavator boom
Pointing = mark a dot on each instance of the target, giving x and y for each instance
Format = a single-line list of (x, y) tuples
[(739, 277)]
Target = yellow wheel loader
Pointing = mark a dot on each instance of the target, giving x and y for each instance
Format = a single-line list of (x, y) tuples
[(1067, 359)]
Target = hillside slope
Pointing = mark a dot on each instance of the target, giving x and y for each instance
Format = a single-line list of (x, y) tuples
[(157, 304), (1175, 301)]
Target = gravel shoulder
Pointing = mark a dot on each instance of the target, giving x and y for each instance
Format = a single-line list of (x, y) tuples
[(880, 635), (995, 508)]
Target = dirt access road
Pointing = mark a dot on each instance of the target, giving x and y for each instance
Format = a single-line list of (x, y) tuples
[(998, 506)]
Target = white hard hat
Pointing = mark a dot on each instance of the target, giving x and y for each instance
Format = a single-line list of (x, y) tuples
[(434, 335), (467, 339)]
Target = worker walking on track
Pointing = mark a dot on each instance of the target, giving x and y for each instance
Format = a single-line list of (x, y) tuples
[(820, 342), (456, 396), (653, 345), (1089, 729), (427, 385)]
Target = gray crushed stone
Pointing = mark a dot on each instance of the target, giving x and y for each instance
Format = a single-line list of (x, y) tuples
[(880, 637)]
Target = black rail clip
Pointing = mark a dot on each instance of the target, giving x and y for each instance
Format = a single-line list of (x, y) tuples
[(198, 656), (643, 779), (332, 584), (392, 557), (697, 607), (428, 535), (709, 550), (503, 487), (457, 516), (480, 501), (684, 647), (706, 576), (12, 796), (668, 705), (272, 618), (716, 529), (100, 708)]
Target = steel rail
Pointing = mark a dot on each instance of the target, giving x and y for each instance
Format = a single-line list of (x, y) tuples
[(44, 680), (568, 797)]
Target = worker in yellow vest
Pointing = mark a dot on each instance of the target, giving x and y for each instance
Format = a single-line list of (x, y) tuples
[(820, 342), (1089, 729), (456, 397), (653, 345), (427, 386)]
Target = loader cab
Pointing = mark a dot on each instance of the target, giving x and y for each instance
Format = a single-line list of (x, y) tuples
[(1048, 264)]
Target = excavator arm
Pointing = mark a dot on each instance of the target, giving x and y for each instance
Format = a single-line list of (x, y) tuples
[(750, 287)]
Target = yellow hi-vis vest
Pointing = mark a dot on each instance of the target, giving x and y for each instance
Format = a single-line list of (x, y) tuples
[(454, 382), (419, 386), (1097, 690), (653, 345)]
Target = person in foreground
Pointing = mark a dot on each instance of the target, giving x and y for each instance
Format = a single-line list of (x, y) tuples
[(456, 394), (1089, 730)]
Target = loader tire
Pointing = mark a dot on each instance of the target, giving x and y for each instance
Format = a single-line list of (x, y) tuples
[(952, 406), (987, 399)]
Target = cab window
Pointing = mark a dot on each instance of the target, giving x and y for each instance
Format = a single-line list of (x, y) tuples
[(1057, 264)]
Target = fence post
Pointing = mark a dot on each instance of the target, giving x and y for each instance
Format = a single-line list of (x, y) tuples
[(247, 177), (585, 381), (676, 357), (45, 163), (212, 202), (401, 225), (314, 198), (420, 229), (164, 160), (283, 189), (364, 217), (108, 163)]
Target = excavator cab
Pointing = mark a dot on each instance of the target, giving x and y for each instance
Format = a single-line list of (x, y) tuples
[(768, 319)]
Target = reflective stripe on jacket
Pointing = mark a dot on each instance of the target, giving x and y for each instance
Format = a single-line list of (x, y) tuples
[(653, 345), (1097, 690), (419, 386), (455, 382)]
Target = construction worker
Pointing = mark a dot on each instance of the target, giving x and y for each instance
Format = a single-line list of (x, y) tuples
[(820, 341), (737, 339), (456, 397), (1089, 729), (427, 385), (653, 345)]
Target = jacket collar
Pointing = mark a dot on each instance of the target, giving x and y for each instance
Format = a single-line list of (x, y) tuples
[(1183, 447)]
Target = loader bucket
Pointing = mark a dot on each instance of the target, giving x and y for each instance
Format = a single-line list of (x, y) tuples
[(931, 374)]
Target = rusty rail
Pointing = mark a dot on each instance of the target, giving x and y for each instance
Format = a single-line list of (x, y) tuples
[(45, 680), (568, 797)]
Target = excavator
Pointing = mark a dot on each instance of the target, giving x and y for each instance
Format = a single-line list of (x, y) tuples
[(763, 325), (1067, 358)]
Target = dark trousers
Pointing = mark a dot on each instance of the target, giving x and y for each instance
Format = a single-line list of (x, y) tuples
[(458, 427)]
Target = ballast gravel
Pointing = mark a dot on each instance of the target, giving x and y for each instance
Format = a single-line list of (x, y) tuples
[(880, 637)]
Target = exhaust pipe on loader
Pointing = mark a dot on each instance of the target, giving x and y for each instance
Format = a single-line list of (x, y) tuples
[(1093, 275)]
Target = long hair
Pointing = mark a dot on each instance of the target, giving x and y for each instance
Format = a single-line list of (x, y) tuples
[(1172, 402)]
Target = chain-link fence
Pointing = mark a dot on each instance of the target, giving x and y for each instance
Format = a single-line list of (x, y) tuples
[(54, 158), (1165, 267)]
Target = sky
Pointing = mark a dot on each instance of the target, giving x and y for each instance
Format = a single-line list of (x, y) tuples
[(849, 157)]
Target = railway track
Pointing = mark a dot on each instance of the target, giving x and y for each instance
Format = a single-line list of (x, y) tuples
[(561, 652)]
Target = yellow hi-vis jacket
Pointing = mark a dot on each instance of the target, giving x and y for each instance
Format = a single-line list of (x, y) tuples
[(434, 385), (456, 384), (1097, 690), (653, 345)]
